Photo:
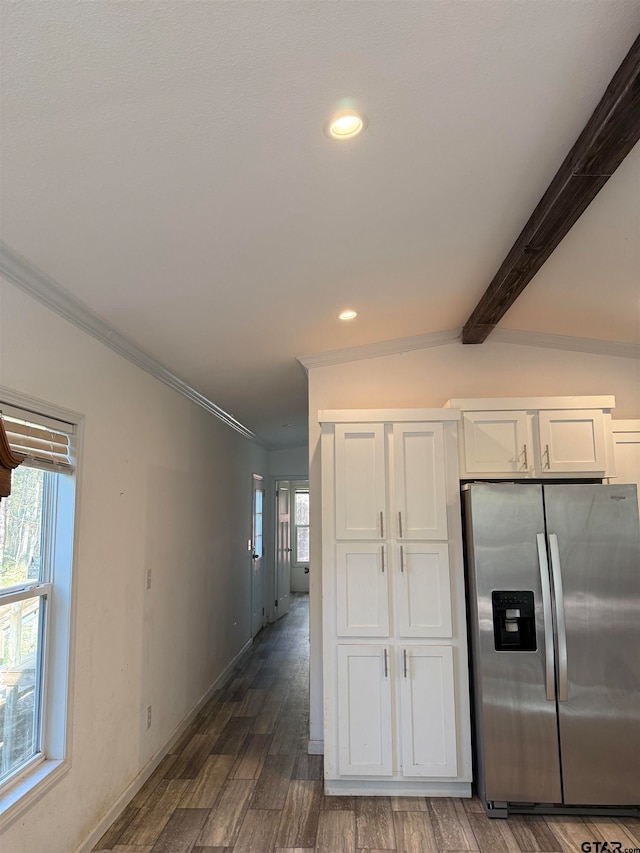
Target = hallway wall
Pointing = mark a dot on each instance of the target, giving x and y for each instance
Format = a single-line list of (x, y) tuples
[(164, 485)]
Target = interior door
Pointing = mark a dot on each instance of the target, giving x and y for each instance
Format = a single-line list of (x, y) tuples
[(257, 552), (283, 548)]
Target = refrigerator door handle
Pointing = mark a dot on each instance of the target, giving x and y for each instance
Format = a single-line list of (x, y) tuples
[(548, 622), (563, 683)]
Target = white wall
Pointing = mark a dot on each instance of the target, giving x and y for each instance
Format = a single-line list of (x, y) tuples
[(428, 378), (164, 485)]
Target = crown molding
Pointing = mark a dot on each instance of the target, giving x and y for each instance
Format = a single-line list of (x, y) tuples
[(617, 349), (498, 336), (375, 350), (19, 272)]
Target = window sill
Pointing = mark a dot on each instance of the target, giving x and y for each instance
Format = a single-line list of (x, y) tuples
[(29, 788)]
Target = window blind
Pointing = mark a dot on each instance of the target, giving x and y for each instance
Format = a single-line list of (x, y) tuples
[(41, 445)]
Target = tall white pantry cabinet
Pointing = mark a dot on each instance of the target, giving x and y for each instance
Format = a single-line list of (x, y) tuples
[(396, 688)]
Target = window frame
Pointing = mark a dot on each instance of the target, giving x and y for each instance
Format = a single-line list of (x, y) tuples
[(57, 590), (296, 562)]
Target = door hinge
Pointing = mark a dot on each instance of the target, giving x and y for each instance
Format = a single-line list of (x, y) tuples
[(276, 602), (263, 611), (277, 492)]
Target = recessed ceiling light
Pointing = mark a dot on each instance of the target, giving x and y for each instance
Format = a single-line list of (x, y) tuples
[(345, 125), (348, 315)]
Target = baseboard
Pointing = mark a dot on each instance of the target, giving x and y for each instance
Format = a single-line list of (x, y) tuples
[(134, 786), (315, 747), (395, 788)]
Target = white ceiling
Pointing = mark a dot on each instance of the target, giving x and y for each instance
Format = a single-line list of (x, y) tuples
[(165, 162)]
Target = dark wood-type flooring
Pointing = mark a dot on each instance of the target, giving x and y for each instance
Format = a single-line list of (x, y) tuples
[(240, 781)]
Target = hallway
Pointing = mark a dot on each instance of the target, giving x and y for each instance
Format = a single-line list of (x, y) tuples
[(240, 781)]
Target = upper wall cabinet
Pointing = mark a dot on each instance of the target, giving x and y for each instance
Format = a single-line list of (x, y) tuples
[(536, 437), (626, 442)]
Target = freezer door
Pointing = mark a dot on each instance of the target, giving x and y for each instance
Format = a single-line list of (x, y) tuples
[(515, 707), (595, 548)]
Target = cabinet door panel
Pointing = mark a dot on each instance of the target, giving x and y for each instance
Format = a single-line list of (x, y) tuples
[(496, 443), (362, 590), (424, 592), (420, 496), (572, 441), (428, 712), (360, 481), (364, 711)]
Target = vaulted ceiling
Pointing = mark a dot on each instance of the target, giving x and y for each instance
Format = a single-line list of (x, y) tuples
[(166, 164)]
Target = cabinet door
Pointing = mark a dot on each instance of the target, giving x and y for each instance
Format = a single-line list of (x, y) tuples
[(360, 481), (496, 443), (428, 711), (362, 590), (424, 593), (626, 444), (420, 496), (364, 711), (572, 441)]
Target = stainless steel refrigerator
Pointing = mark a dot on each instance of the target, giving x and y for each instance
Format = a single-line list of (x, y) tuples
[(554, 607)]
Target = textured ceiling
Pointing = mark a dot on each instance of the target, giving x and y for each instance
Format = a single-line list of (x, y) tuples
[(165, 163)]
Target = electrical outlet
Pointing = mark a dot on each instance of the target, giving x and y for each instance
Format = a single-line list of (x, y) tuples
[(149, 717), (148, 578)]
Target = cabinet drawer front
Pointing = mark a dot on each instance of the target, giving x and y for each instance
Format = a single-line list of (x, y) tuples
[(360, 481), (364, 711), (496, 442), (572, 441), (420, 494), (362, 590), (424, 590), (428, 711)]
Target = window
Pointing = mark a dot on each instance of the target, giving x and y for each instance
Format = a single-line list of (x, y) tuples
[(301, 525), (36, 536)]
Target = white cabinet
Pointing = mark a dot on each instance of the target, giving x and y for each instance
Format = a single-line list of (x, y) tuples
[(626, 442), (428, 711), (496, 442), (536, 437), (362, 590), (572, 441), (421, 511), (396, 702), (360, 481), (364, 710), (423, 604)]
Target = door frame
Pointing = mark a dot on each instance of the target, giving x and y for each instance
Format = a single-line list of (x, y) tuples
[(258, 484), (271, 521)]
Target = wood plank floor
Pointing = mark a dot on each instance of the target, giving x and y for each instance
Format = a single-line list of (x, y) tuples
[(240, 781)]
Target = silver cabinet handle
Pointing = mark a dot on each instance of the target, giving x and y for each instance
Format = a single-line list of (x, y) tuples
[(402, 558), (563, 681), (546, 610), (386, 665), (526, 459), (546, 450), (400, 523), (404, 661), (382, 556), (381, 525)]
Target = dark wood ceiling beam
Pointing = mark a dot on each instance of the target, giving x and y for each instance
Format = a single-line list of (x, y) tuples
[(609, 135)]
